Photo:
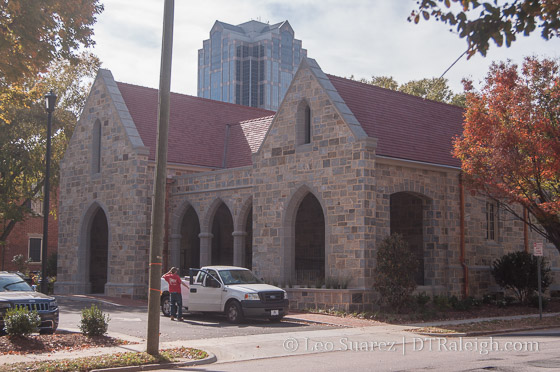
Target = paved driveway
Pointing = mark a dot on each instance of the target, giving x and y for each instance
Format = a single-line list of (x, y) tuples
[(130, 318)]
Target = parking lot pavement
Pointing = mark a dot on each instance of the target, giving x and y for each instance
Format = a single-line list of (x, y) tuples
[(129, 318), (294, 316)]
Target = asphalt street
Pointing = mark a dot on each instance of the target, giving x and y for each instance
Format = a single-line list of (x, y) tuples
[(132, 321)]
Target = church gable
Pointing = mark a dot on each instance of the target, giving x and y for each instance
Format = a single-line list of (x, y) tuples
[(312, 115), (105, 129)]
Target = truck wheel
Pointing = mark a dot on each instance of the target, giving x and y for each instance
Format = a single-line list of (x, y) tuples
[(234, 313), (165, 305)]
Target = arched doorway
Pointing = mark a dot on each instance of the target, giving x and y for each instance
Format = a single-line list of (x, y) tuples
[(407, 219), (222, 241), (98, 252), (190, 241), (309, 258)]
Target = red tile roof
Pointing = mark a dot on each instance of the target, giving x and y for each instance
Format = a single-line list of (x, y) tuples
[(407, 127), (197, 127)]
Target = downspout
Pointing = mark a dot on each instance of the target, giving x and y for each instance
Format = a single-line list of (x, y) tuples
[(462, 236), (525, 230)]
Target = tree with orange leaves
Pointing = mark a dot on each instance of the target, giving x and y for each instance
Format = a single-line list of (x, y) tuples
[(510, 147)]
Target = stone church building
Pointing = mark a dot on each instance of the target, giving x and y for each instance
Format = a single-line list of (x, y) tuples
[(301, 196)]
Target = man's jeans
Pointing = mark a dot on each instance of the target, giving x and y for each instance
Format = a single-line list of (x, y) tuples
[(176, 301)]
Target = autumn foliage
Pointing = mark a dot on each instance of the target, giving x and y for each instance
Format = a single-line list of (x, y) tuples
[(510, 148)]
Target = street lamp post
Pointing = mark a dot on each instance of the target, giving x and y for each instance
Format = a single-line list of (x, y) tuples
[(50, 101)]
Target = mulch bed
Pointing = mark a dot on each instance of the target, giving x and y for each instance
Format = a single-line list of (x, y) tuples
[(37, 344)]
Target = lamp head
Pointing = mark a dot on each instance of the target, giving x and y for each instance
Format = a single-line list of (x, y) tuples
[(50, 101)]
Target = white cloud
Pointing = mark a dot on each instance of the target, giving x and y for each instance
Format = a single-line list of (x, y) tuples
[(360, 38)]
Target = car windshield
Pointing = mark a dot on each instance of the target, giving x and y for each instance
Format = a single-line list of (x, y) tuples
[(238, 277), (12, 283)]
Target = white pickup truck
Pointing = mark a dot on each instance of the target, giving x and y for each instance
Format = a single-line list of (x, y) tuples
[(234, 291)]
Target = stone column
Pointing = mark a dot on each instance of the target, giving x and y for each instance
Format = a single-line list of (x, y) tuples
[(205, 248), (175, 250), (239, 248)]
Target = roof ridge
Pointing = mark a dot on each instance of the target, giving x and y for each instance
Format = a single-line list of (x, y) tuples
[(202, 98), (371, 86)]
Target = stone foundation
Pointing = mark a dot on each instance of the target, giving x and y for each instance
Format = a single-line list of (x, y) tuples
[(348, 300)]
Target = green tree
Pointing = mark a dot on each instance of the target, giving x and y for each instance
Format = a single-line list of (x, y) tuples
[(501, 22), (23, 137), (518, 271), (387, 82), (435, 89)]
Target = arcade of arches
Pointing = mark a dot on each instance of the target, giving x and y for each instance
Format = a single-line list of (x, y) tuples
[(309, 243)]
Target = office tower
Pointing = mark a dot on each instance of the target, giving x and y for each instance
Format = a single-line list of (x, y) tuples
[(250, 64)]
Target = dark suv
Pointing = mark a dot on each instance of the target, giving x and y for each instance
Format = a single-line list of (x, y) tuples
[(15, 292)]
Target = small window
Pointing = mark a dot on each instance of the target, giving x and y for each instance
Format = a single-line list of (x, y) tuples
[(490, 221), (96, 148), (212, 280), (200, 278), (35, 249), (307, 125), (303, 123)]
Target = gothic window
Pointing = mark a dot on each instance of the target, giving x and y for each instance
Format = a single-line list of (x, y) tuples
[(96, 148), (303, 123), (491, 213)]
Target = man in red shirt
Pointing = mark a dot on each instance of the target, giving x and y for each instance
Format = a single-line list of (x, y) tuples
[(175, 297)]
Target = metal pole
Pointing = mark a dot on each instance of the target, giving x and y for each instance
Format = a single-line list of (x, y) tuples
[(158, 199), (539, 262), (44, 279)]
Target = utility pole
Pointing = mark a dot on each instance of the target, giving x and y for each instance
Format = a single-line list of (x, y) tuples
[(50, 103), (158, 199)]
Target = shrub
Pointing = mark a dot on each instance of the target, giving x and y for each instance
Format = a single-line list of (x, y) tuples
[(534, 301), (394, 273), (442, 302), (94, 322), (20, 321), (338, 282), (464, 304), (517, 271), (422, 299), (21, 263)]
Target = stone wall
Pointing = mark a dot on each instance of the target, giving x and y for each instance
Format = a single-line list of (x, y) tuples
[(121, 190), (336, 167), (205, 192)]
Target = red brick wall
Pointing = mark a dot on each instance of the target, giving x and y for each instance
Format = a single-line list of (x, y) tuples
[(18, 240)]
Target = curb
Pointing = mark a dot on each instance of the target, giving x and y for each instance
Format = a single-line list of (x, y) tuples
[(481, 333), (211, 358), (486, 333), (316, 322)]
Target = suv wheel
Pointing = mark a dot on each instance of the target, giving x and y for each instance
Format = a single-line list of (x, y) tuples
[(234, 313)]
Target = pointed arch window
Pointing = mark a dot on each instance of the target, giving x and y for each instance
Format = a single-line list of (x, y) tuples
[(303, 123), (96, 148)]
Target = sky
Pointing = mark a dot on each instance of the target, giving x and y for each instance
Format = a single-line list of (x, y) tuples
[(362, 38)]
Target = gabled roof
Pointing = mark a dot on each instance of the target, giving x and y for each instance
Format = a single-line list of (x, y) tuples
[(252, 132), (197, 127), (406, 126)]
